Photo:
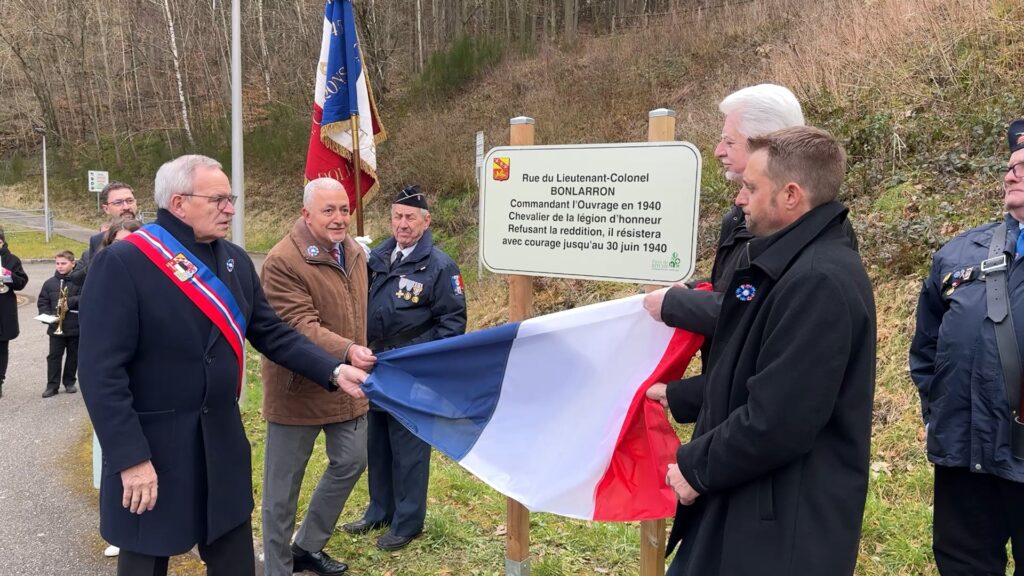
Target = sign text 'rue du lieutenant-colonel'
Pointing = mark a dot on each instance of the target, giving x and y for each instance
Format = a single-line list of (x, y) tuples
[(624, 212)]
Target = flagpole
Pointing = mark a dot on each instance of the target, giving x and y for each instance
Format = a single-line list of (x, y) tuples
[(358, 174), (237, 157)]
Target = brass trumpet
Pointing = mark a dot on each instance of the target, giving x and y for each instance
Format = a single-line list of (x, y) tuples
[(62, 309)]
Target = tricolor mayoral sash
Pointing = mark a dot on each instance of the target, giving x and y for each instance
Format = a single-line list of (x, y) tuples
[(200, 284)]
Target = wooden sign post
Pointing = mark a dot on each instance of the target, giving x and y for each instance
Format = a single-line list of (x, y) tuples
[(661, 127), (520, 307)]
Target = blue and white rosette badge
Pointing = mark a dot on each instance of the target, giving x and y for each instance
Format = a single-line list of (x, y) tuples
[(745, 292)]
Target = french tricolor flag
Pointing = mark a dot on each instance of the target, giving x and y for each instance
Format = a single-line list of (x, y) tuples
[(550, 411), (342, 90)]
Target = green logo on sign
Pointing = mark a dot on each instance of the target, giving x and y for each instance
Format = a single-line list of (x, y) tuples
[(674, 262)]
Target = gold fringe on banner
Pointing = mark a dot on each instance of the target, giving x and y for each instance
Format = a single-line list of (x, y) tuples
[(336, 128)]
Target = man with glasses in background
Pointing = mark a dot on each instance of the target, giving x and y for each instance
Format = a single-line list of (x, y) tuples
[(118, 202), (164, 319), (965, 360)]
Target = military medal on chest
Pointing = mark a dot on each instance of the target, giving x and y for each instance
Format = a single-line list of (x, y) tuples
[(409, 290), (953, 280)]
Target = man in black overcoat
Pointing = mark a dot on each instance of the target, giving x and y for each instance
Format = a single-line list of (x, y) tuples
[(164, 316), (775, 477)]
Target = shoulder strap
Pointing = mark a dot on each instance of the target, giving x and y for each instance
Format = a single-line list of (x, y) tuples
[(994, 270)]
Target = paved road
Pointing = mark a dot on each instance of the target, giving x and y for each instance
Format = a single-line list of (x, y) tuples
[(34, 219), (48, 516)]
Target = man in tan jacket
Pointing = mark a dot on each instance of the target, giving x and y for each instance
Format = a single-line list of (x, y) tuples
[(315, 278)]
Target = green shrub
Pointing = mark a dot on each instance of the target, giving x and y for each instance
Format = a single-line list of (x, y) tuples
[(12, 171), (281, 140), (448, 71)]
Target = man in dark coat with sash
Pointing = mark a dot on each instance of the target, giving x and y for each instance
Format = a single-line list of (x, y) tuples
[(164, 319), (775, 477)]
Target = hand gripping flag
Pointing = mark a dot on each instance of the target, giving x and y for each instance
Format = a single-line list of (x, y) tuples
[(551, 411), (343, 89)]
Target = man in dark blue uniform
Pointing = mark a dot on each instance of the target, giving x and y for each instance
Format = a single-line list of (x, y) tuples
[(965, 361), (416, 295), (164, 317)]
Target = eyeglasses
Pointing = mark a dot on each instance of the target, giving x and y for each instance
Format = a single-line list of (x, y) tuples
[(122, 202), (1017, 169), (221, 201)]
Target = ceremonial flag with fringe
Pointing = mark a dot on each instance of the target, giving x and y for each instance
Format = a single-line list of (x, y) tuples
[(343, 89)]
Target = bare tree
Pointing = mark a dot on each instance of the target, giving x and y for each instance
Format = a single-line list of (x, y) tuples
[(173, 43)]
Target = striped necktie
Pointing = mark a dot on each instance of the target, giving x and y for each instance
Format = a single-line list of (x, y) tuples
[(336, 253)]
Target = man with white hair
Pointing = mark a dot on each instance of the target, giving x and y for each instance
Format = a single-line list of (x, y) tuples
[(316, 280), (164, 320), (750, 112)]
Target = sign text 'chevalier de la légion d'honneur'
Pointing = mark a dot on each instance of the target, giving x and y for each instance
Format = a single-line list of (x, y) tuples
[(625, 212)]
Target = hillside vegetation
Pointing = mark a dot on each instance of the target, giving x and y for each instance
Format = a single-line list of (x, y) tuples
[(919, 91)]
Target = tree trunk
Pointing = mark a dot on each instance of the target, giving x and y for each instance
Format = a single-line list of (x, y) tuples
[(435, 15), (508, 22), (264, 53), (569, 21), (419, 34), (177, 73)]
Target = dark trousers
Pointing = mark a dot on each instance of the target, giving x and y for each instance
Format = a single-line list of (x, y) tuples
[(230, 555), (398, 472), (59, 345), (975, 514), (3, 359)]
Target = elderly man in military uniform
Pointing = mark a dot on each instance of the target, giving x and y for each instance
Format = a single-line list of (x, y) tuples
[(416, 295), (965, 361)]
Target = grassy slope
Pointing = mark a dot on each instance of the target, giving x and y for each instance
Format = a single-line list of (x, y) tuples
[(919, 91)]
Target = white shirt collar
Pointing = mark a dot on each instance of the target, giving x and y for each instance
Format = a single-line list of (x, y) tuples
[(405, 252)]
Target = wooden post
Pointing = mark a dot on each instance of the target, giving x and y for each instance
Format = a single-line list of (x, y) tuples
[(661, 127), (354, 129), (520, 307)]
